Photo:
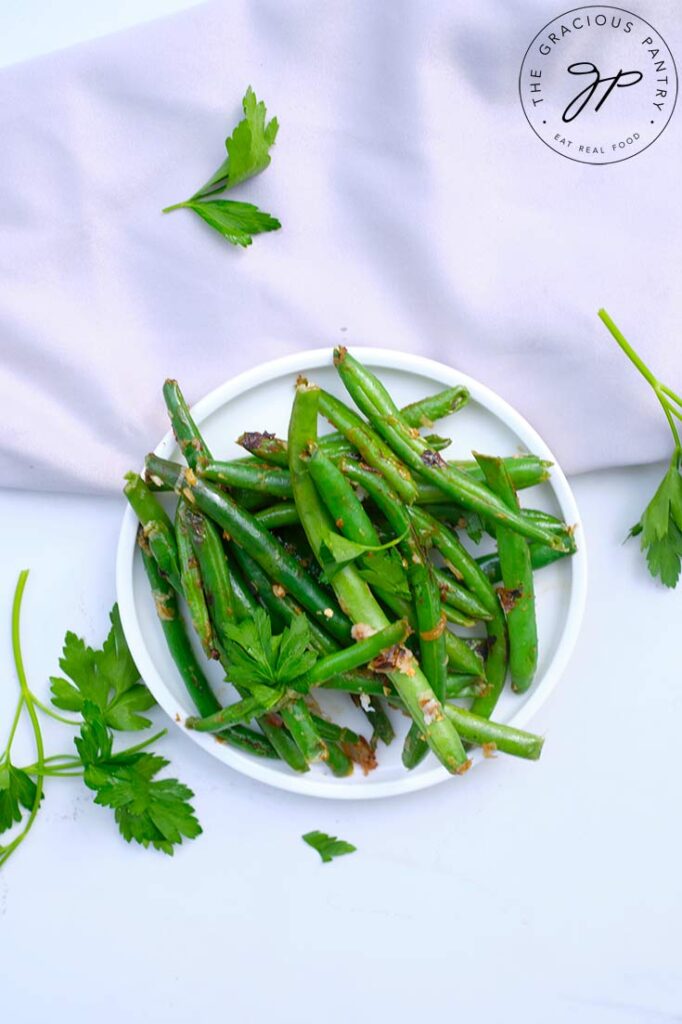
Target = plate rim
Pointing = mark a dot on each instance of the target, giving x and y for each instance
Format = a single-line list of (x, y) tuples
[(303, 361)]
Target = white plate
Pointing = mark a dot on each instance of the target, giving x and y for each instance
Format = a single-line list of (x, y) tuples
[(261, 400)]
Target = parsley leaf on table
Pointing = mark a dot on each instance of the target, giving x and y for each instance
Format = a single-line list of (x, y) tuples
[(108, 678), (237, 222), (661, 527), (248, 153), (153, 812), (248, 148), (328, 847), (17, 790)]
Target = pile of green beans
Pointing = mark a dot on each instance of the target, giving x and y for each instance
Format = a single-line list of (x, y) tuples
[(366, 533)]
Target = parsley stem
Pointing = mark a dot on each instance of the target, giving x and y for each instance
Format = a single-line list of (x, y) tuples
[(671, 394), (13, 729), (146, 743), (660, 390), (671, 422), (47, 710), (8, 850), (59, 762), (176, 206)]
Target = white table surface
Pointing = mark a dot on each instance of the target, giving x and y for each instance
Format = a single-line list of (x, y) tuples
[(542, 892)]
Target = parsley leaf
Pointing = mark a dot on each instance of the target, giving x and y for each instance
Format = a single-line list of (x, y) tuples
[(153, 812), (248, 153), (247, 148), (256, 656), (237, 222), (108, 678), (660, 527), (338, 551), (328, 847), (17, 790)]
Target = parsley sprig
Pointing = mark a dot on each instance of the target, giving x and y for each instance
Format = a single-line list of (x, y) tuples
[(660, 527), (257, 656), (105, 690), (248, 153)]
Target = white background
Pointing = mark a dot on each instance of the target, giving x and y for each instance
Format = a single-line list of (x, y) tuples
[(535, 893)]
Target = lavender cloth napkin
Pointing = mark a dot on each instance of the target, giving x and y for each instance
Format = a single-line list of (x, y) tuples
[(419, 212)]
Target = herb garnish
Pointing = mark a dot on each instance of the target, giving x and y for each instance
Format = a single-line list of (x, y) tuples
[(328, 847), (660, 527), (106, 691), (248, 153)]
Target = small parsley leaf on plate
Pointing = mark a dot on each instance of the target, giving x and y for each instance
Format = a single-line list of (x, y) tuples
[(256, 656)]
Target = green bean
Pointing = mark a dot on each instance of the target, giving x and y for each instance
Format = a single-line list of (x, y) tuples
[(518, 597), (213, 570), (373, 450), (357, 683), (349, 514), (423, 413), (371, 397), (437, 443), (280, 743), (299, 722), (338, 760), (461, 519), (351, 519), (279, 605), (156, 525), (241, 711), (358, 654), (453, 593), (525, 470), (540, 556), (353, 592), (504, 737), (427, 411), (190, 441), (331, 731), (177, 640), (462, 685), (245, 603), (275, 516), (276, 732), (459, 655), (415, 747), (462, 565), (382, 727), (255, 476), (265, 446), (457, 618), (243, 738), (190, 579), (431, 621), (246, 531)]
